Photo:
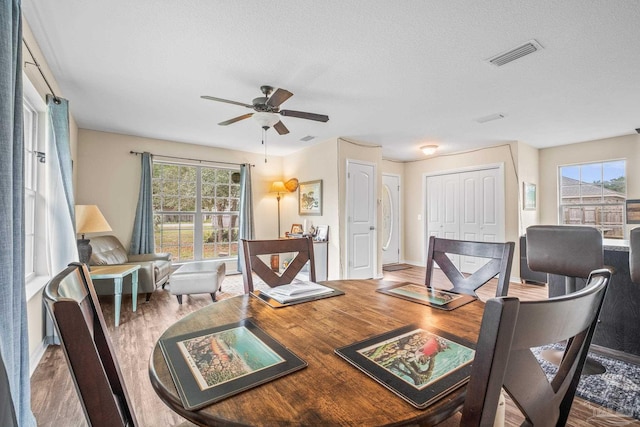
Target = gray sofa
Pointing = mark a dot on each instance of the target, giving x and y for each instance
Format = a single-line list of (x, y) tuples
[(154, 270)]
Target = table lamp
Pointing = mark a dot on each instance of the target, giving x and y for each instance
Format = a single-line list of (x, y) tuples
[(89, 219), (279, 188)]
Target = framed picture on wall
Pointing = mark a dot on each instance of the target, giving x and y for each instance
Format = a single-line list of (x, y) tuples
[(528, 196), (633, 211), (310, 198)]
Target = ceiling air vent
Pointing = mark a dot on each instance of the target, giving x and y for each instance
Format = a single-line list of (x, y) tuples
[(515, 53), (307, 138)]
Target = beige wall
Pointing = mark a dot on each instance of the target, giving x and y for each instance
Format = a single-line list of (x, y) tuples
[(319, 161), (414, 193), (110, 176), (622, 147), (528, 172)]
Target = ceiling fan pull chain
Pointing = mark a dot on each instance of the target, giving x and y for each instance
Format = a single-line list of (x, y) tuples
[(264, 142)]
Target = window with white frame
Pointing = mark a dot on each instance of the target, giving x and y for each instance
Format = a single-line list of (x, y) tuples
[(594, 194), (31, 144), (195, 211)]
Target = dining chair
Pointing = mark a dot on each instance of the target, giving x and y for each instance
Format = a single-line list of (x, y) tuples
[(500, 256), (567, 253), (504, 359), (300, 250), (73, 304), (565, 250)]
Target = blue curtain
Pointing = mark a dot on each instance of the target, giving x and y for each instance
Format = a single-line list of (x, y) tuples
[(245, 220), (58, 109), (14, 346), (142, 239)]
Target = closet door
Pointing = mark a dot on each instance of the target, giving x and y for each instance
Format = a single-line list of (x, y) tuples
[(443, 201), (466, 206), (481, 211)]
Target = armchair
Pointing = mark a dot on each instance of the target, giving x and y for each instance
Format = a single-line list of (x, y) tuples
[(154, 270)]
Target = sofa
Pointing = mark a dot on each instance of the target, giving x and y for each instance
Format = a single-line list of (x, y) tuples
[(155, 269)]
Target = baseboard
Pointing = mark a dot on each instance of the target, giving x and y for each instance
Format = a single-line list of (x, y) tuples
[(615, 354), (36, 356)]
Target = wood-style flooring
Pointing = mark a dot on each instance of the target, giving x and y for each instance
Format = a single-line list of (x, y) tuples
[(55, 403)]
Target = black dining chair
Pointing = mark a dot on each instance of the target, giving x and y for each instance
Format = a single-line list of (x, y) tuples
[(504, 359), (499, 255), (298, 252), (73, 304)]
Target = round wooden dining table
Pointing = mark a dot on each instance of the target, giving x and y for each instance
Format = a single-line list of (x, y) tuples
[(329, 391)]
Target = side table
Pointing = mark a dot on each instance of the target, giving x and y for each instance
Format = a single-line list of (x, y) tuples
[(118, 273)]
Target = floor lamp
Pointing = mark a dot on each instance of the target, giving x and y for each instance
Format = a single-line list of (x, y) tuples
[(278, 188), (89, 219)]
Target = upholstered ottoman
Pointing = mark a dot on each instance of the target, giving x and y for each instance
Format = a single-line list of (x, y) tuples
[(197, 278)]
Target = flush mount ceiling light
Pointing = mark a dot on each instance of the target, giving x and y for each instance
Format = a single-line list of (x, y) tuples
[(429, 149)]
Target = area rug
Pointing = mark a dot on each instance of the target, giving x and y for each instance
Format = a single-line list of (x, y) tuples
[(617, 389), (396, 267)]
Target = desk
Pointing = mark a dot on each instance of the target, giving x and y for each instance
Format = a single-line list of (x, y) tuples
[(330, 391), (117, 273)]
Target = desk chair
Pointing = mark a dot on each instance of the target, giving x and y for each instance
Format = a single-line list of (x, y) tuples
[(74, 307), (509, 329), (500, 257), (569, 251), (254, 249)]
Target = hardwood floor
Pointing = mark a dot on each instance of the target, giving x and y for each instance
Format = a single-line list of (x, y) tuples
[(55, 403)]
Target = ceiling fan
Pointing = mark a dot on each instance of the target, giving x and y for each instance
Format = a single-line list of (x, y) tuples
[(267, 109)]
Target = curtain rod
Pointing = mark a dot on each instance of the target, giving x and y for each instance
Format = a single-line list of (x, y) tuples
[(194, 160), (35, 62)]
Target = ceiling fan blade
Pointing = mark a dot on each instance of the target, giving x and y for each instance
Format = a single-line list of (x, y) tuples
[(281, 128), (303, 115), (235, 119), (278, 97), (213, 98)]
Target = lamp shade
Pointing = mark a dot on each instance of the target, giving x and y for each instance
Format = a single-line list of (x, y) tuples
[(278, 187), (89, 219)]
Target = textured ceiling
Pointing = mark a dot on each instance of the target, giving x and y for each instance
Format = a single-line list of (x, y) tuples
[(395, 74)]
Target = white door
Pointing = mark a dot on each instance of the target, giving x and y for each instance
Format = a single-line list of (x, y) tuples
[(361, 208), (390, 219), (482, 211), (466, 206)]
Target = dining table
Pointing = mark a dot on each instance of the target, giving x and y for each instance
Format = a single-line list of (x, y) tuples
[(329, 390)]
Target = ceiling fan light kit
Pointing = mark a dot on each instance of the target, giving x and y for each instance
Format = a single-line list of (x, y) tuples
[(266, 120)]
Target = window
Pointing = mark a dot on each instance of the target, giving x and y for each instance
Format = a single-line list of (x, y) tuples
[(195, 211), (30, 186), (594, 194)]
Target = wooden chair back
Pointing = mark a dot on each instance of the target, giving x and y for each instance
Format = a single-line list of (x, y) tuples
[(500, 257), (253, 249), (504, 360), (72, 302)]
